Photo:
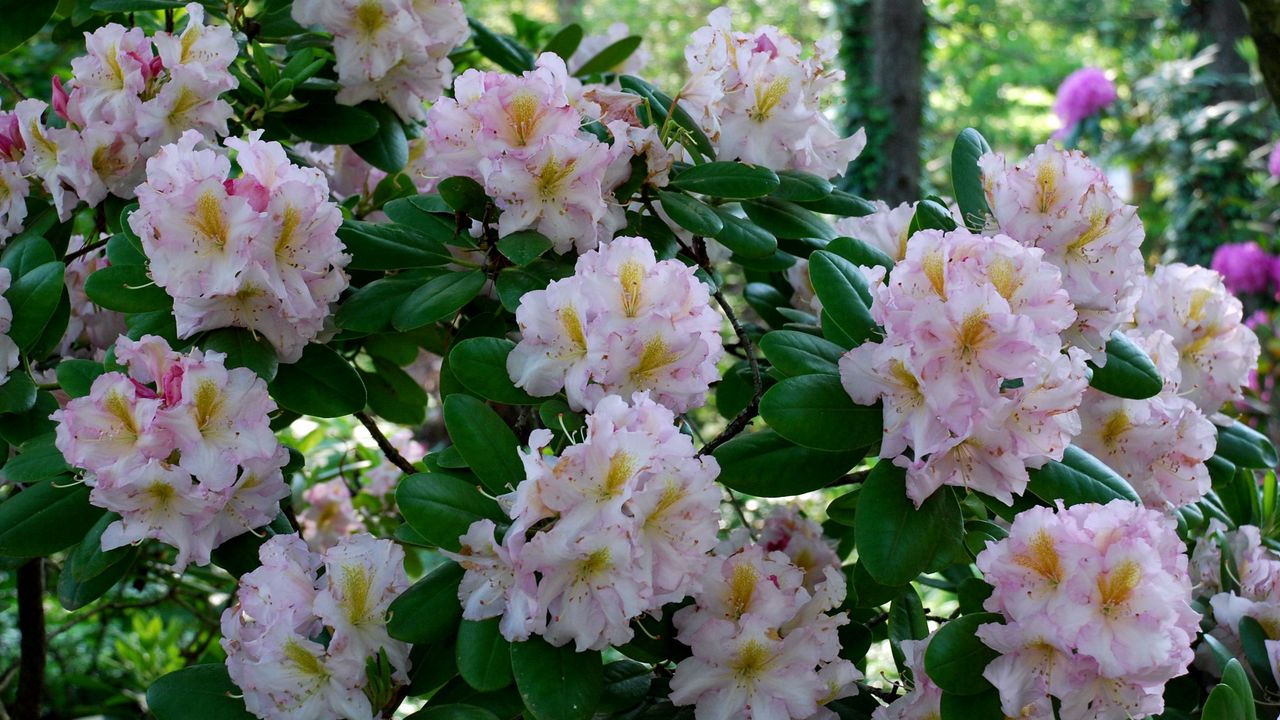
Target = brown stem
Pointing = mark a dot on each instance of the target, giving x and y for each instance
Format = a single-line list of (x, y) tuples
[(385, 445), (744, 418), (81, 252), (31, 622), (12, 86)]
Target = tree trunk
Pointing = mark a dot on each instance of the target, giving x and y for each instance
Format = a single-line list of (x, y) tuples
[(568, 11), (32, 648), (1264, 26), (897, 71)]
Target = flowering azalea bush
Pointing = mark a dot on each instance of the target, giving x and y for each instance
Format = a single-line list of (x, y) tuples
[(458, 378)]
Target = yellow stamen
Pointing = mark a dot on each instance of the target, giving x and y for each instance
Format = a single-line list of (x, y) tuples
[(572, 325), (524, 116), (1117, 586), (207, 401), (768, 97), (751, 662), (304, 661), (934, 267), (655, 355), (356, 584), (742, 586), (1046, 185), (1115, 428), (1042, 557), (1004, 277), (630, 276), (370, 17), (208, 220), (595, 563)]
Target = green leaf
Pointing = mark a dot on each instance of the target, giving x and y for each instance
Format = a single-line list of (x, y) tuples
[(841, 204), (321, 384), (798, 186), (453, 711), (390, 247), (524, 247), (1129, 373), (1234, 676), (481, 364), (787, 220), (45, 518), (766, 464), (1244, 446), (1223, 703), (691, 214), (74, 593), (765, 299), (859, 253), (425, 214), (896, 541), (243, 349), (559, 418), (931, 216), (728, 180), (22, 20), (393, 394), (1079, 478), (127, 289), (608, 59), (26, 254), (464, 195), (485, 441), (626, 682), (843, 291), (507, 53), (76, 376), (439, 298), (966, 178), (956, 657), (329, 123), (514, 282), (557, 683), (659, 106), (198, 692), (388, 148), (18, 393), (796, 353), (816, 412), (369, 309), (33, 297), (744, 238), (442, 507), (982, 706), (565, 42), (484, 656), (429, 610), (1254, 639), (38, 459)]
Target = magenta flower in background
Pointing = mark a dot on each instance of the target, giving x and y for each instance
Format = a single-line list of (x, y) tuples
[(1083, 93), (1273, 162), (1245, 267)]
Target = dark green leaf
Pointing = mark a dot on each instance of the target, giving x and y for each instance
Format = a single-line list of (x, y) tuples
[(797, 353), (388, 148), (558, 417), (484, 656), (127, 289), (455, 711), (691, 214), (1234, 676), (243, 349), (557, 683), (485, 441), (24, 255), (481, 364), (524, 247), (565, 42), (18, 393), (966, 178), (896, 541), (1245, 446), (744, 238), (859, 253), (74, 593), (369, 309), (45, 518), (393, 394), (425, 214), (464, 195), (1223, 703), (1254, 639), (765, 299), (514, 282), (429, 610), (765, 464), (507, 53), (659, 106), (22, 19), (983, 706), (38, 459), (198, 692), (956, 657), (931, 216), (1129, 373), (321, 384), (626, 682), (328, 123), (1079, 478), (816, 412), (34, 296), (608, 59), (841, 204), (442, 507), (798, 186), (843, 290), (787, 220), (439, 298), (729, 180)]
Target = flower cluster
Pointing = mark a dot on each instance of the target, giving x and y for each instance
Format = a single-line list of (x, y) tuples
[(624, 322), (1082, 94), (329, 515), (1097, 611), (802, 541), (181, 447), (297, 645), (924, 699), (394, 51), (1251, 588), (1160, 445), (1246, 268), (259, 251), (1216, 350), (127, 96), (1060, 202), (521, 138), (8, 348), (90, 327), (971, 370), (758, 100), (1273, 161), (624, 521), (764, 646)]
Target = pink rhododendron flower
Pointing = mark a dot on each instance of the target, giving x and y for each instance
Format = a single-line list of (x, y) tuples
[(380, 480), (181, 447), (1273, 161), (971, 372), (759, 102), (625, 519), (395, 51), (329, 515), (885, 229), (90, 328), (1097, 608), (924, 700), (624, 322), (801, 540), (297, 645), (1244, 267), (1083, 93), (1216, 350), (259, 251), (1060, 202), (14, 189), (8, 348), (763, 645)]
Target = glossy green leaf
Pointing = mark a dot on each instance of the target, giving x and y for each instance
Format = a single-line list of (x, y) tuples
[(982, 706), (388, 148), (33, 297), (966, 178), (691, 214), (787, 220), (442, 507), (816, 412), (22, 19), (896, 541), (626, 682), (745, 238), (931, 216), (429, 610), (1079, 478), (1254, 639), (859, 253), (46, 517), (76, 376), (728, 180), (481, 364), (37, 459), (796, 353), (18, 393), (390, 247), (524, 247), (321, 383), (243, 349), (439, 298), (798, 186), (369, 309), (507, 53), (956, 657), (483, 655), (765, 464), (453, 711), (485, 441), (329, 123), (841, 204), (557, 683), (1223, 703), (565, 42), (659, 106), (843, 291), (1246, 447), (608, 59), (1129, 372), (393, 395), (197, 692), (126, 288)]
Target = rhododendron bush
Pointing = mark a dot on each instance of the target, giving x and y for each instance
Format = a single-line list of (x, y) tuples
[(454, 377)]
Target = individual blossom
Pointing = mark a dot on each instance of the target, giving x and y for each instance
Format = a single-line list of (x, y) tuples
[(624, 322), (924, 700), (1082, 94), (763, 645), (329, 515), (180, 446), (970, 372), (8, 348), (1216, 350), (14, 190), (1096, 601), (258, 251), (759, 101), (90, 329), (1245, 267), (1160, 444), (616, 526), (1060, 202), (394, 51), (1255, 568), (297, 645), (802, 541)]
